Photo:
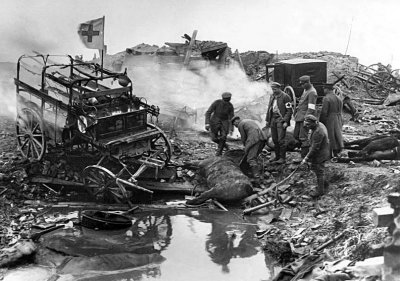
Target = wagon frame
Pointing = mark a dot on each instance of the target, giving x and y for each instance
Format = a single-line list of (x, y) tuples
[(70, 106), (379, 81)]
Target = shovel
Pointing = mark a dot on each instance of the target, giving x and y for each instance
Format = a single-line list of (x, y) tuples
[(243, 165)]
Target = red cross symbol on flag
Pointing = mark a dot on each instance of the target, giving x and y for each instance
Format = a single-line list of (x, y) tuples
[(92, 33)]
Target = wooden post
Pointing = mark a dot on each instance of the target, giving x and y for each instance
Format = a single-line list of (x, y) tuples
[(189, 49), (102, 50), (239, 59)]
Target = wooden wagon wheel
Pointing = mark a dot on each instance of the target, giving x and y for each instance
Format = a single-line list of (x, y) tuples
[(396, 76), (376, 67), (102, 184), (160, 145), (31, 138), (354, 84), (289, 90), (380, 84)]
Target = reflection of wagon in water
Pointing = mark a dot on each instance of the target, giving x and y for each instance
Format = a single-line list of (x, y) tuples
[(64, 105)]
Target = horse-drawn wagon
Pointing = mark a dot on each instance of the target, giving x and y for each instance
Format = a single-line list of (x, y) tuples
[(81, 106)]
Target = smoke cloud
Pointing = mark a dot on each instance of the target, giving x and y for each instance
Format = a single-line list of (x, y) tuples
[(7, 90), (171, 87)]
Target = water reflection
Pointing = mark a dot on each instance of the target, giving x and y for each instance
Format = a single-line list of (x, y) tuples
[(230, 237), (168, 245), (154, 226)]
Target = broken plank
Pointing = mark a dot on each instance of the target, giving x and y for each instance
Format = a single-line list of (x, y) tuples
[(189, 49), (49, 180), (176, 187)]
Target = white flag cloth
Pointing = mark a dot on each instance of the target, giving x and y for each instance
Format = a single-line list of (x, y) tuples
[(92, 33)]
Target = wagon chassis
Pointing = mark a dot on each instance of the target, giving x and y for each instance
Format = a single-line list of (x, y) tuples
[(378, 81), (118, 131)]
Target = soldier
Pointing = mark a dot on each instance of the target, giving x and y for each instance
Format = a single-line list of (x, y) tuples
[(278, 119), (318, 153), (218, 118), (305, 107), (253, 140), (331, 117)]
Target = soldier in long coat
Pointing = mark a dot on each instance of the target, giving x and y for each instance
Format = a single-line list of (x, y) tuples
[(253, 139), (218, 118), (331, 117)]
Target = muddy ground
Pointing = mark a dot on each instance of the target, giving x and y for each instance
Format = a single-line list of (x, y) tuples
[(297, 226)]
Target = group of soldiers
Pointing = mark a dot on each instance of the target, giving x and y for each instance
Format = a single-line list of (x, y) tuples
[(318, 138)]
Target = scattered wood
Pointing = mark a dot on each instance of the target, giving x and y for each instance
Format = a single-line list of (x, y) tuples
[(252, 209), (272, 187), (219, 205), (3, 191), (237, 54), (189, 48), (370, 101), (176, 187), (49, 188), (301, 266), (56, 181)]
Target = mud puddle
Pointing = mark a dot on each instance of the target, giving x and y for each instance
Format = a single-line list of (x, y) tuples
[(161, 245)]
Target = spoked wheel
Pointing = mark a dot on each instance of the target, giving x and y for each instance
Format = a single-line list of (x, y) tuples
[(396, 73), (377, 67), (380, 85), (30, 134), (160, 145), (289, 90), (103, 185), (157, 227), (355, 84)]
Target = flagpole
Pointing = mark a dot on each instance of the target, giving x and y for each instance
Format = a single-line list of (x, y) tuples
[(102, 49)]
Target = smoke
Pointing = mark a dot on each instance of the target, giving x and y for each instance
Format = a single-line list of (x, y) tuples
[(7, 92), (166, 83), (25, 36)]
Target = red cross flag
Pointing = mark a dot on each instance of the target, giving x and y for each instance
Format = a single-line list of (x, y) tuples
[(92, 33)]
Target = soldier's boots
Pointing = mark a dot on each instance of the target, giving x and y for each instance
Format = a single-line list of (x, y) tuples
[(220, 149), (322, 187), (282, 158), (277, 155)]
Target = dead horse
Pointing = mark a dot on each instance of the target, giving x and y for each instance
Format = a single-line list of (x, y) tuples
[(226, 181)]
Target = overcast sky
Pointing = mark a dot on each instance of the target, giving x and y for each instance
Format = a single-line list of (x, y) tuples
[(49, 26)]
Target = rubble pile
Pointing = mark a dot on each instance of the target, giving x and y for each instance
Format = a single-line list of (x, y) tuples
[(254, 61), (293, 224)]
